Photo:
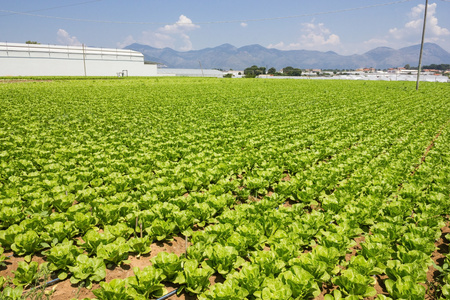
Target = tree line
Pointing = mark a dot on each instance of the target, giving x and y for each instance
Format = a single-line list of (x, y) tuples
[(440, 67), (254, 71)]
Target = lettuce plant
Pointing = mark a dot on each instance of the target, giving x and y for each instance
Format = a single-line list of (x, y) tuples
[(354, 284), (194, 279), (412, 241), (140, 245), (412, 256), (119, 230), (26, 273), (249, 277), (115, 252), (58, 231), (3, 258), (183, 220), (405, 288), (61, 256), (223, 259), (301, 282), (286, 249), (10, 216), (107, 213), (253, 234), (8, 235), (321, 263), (417, 272), (26, 243), (229, 290), (274, 288), (92, 239), (117, 289), (203, 213), (10, 293), (83, 221), (268, 262), (87, 270), (160, 229), (147, 282), (169, 263), (2, 282), (63, 201), (364, 266)]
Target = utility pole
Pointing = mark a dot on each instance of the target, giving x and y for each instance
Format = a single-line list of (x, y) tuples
[(203, 75), (84, 58), (421, 45)]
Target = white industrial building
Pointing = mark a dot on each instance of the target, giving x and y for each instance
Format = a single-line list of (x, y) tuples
[(48, 60)]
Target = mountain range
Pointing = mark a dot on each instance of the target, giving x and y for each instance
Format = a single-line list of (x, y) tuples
[(227, 57)]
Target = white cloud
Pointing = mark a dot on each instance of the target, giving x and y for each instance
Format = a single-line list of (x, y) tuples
[(173, 35), (64, 37), (412, 30), (280, 46), (244, 24), (318, 36), (182, 25), (127, 41), (314, 37)]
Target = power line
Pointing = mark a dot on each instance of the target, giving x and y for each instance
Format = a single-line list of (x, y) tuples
[(49, 8), (210, 22)]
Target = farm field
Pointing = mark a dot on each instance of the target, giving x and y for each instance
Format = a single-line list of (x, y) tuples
[(280, 189)]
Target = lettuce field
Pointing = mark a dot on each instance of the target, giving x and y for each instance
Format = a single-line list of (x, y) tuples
[(224, 189)]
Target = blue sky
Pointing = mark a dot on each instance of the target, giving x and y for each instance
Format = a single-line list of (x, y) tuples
[(344, 26)]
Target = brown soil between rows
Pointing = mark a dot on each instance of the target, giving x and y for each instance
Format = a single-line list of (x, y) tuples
[(65, 290), (438, 257)]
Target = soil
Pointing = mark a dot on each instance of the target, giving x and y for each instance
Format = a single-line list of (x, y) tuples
[(438, 257), (355, 248), (379, 285), (325, 289), (286, 178), (430, 146), (64, 290)]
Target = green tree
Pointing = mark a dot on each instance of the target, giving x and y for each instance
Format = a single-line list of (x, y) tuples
[(441, 67), (32, 42), (290, 71), (272, 71), (254, 71)]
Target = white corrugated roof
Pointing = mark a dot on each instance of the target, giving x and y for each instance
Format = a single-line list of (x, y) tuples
[(11, 48)]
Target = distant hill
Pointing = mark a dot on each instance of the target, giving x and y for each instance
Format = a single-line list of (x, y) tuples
[(227, 56)]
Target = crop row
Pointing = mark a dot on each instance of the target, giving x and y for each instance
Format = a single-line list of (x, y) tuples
[(287, 190)]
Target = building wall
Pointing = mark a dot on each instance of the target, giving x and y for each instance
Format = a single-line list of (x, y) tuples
[(46, 60)]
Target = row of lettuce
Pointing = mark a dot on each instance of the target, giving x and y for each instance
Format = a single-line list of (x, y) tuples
[(92, 175)]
